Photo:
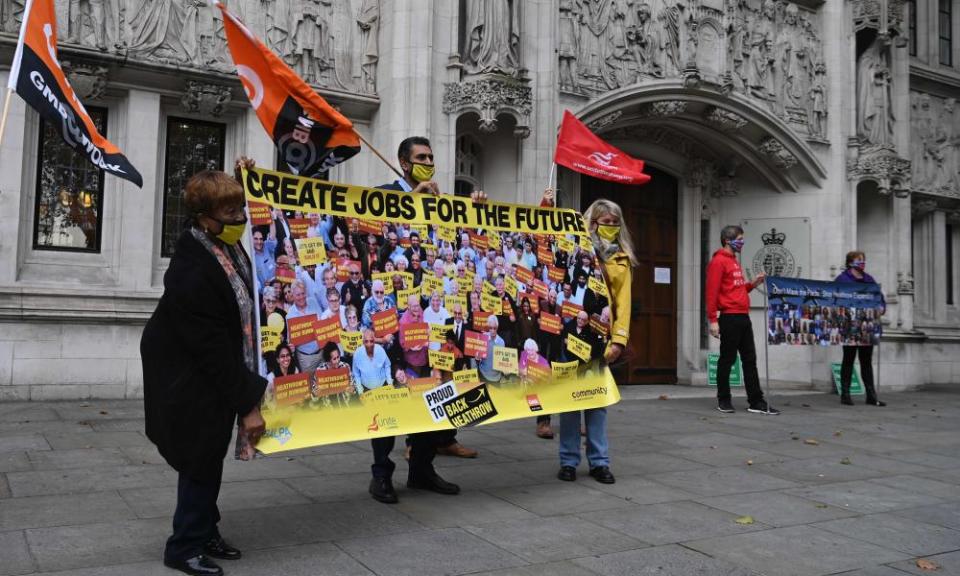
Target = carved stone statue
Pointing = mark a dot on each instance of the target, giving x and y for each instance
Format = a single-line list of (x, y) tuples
[(760, 77), (818, 104), (369, 21), (492, 36), (792, 66), (644, 40), (312, 42), (11, 15), (670, 19), (571, 14), (91, 11), (157, 28), (947, 143), (874, 107), (276, 24)]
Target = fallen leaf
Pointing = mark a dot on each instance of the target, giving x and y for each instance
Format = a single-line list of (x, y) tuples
[(713, 447), (663, 397), (744, 520), (838, 433), (749, 462), (805, 405), (811, 442), (794, 437), (845, 460), (822, 506), (924, 564), (104, 412)]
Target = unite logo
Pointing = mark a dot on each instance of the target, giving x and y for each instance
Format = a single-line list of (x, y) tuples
[(603, 159), (374, 426)]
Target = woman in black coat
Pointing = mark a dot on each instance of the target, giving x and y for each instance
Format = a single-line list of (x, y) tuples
[(199, 366)]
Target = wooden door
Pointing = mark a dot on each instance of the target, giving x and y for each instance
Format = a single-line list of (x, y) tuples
[(650, 213)]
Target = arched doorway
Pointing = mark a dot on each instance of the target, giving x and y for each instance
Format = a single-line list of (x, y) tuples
[(650, 213)]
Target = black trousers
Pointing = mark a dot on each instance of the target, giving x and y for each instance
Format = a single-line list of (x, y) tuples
[(544, 418), (866, 370), (736, 335), (444, 438), (196, 517), (423, 448)]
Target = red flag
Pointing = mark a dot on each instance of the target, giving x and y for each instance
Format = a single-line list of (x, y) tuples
[(582, 151), (310, 135), (37, 77)]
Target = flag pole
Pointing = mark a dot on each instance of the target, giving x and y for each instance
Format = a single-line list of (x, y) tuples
[(6, 112), (553, 174), (379, 155)]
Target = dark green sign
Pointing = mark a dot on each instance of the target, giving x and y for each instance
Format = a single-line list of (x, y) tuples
[(736, 374), (856, 386)]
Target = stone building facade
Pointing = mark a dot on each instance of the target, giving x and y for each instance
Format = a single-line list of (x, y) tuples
[(822, 126)]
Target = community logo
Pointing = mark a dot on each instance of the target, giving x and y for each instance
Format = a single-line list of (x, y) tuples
[(774, 258), (603, 159), (533, 402)]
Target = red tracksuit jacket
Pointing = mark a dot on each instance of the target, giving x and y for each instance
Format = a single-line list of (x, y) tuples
[(727, 291)]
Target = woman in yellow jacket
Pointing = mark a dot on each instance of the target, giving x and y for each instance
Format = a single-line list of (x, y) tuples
[(614, 248)]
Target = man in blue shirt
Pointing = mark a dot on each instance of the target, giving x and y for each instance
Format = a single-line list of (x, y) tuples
[(263, 256), (371, 366)]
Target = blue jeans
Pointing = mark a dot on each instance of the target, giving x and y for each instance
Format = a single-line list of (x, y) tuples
[(597, 446)]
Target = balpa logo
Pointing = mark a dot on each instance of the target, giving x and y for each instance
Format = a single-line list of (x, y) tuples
[(603, 159)]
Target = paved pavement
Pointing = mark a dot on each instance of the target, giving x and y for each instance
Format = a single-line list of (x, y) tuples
[(860, 491)]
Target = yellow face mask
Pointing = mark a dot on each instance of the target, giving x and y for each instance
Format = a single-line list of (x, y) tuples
[(608, 232), (232, 233), (422, 172)]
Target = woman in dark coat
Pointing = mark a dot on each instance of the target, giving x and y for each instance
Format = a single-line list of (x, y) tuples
[(855, 272), (199, 366)]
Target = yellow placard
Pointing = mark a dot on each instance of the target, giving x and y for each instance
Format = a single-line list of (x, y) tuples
[(586, 244), (464, 285), (488, 287), (311, 251), (442, 360), (447, 234), (565, 244), (403, 296), (429, 285), (578, 348), (310, 195), (420, 229), (351, 341), (598, 286), (491, 303), (505, 360), (564, 370), (387, 279), (511, 287), (269, 338), (494, 241), (451, 300), (463, 377), (438, 332)]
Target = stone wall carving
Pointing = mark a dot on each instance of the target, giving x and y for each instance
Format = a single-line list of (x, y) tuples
[(935, 144), (883, 166), (866, 14), (205, 99), (491, 37), (88, 81), (769, 51), (781, 157), (491, 96), (875, 118), (331, 43)]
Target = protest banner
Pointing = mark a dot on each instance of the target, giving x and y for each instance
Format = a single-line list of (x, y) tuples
[(505, 360), (260, 214), (414, 335), (816, 313), (550, 323), (570, 310), (578, 347), (311, 251), (385, 323), (510, 287), (598, 286), (565, 244), (381, 400), (298, 227), (555, 274)]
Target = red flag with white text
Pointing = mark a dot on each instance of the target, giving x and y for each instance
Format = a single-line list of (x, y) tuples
[(310, 135), (37, 77), (582, 151)]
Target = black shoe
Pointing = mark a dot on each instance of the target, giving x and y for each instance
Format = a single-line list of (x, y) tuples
[(382, 490), (603, 475), (726, 407), (218, 548), (875, 402), (434, 484), (846, 400), (762, 407), (567, 473), (199, 565)]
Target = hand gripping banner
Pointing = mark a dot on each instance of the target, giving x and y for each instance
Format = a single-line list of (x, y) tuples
[(309, 134), (37, 77), (386, 313)]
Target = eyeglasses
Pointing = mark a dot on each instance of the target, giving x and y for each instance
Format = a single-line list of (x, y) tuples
[(284, 356), (378, 291), (354, 273)]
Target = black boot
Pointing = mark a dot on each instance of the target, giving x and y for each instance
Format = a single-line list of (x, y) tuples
[(845, 399)]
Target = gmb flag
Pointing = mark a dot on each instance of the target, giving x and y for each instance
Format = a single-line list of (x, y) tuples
[(309, 134), (37, 77), (582, 151)]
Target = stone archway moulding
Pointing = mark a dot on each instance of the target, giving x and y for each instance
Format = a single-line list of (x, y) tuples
[(745, 132)]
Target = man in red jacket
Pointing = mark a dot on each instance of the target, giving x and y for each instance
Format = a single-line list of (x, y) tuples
[(728, 295)]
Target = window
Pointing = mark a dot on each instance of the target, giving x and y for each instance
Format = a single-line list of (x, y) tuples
[(192, 146), (69, 200), (945, 21), (912, 26), (467, 177)]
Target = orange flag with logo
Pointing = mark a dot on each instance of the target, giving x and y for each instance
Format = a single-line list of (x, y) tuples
[(37, 77), (309, 134)]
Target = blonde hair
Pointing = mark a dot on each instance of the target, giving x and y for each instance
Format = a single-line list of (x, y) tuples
[(602, 207)]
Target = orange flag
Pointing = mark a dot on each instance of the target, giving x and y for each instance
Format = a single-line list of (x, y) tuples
[(37, 77), (310, 135)]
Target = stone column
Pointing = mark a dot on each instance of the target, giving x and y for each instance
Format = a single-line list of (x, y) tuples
[(902, 255), (938, 253)]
